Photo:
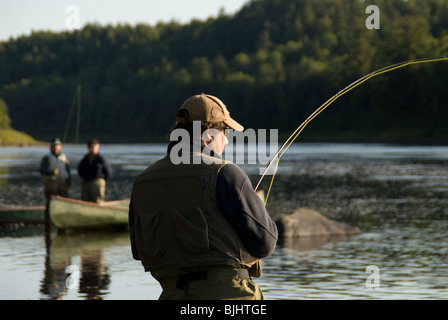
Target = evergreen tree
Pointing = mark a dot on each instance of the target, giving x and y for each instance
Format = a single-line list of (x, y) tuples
[(273, 63)]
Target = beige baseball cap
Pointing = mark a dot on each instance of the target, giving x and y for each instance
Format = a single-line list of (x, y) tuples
[(207, 108)]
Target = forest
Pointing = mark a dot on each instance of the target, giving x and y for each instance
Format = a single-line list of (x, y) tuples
[(272, 63)]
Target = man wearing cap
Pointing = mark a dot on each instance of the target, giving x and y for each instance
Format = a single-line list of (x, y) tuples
[(55, 169), (94, 170), (198, 226)]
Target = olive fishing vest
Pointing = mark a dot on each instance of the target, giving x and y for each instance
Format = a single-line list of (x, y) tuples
[(177, 221), (58, 162)]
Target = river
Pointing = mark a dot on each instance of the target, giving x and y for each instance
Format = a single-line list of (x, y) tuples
[(397, 195)]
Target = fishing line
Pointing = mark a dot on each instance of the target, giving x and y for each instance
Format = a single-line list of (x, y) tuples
[(348, 88)]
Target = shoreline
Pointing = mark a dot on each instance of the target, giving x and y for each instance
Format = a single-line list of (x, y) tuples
[(12, 137)]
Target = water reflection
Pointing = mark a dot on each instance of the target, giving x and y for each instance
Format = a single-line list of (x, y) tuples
[(412, 264), (398, 197), (309, 243), (86, 252)]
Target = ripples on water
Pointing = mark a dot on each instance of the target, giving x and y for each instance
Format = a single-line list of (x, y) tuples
[(409, 267), (396, 195)]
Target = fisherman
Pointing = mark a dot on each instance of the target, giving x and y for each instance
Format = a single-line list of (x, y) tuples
[(198, 226), (94, 171), (55, 169)]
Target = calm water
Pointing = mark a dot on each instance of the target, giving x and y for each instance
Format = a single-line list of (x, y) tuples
[(397, 195)]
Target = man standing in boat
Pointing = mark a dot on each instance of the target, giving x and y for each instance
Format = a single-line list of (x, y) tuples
[(55, 169), (94, 170), (198, 226)]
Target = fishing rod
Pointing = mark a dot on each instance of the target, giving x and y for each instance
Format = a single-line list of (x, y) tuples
[(348, 88)]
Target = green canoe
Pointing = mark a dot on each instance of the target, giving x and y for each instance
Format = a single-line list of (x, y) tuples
[(22, 214), (68, 213)]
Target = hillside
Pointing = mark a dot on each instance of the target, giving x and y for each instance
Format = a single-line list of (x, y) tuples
[(272, 63), (9, 137)]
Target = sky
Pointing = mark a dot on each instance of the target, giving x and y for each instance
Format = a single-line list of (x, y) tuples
[(20, 17)]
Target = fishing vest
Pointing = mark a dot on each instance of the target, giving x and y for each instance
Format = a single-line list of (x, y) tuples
[(58, 162), (177, 221)]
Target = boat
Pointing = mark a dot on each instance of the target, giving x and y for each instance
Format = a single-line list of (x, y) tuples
[(66, 213), (34, 214)]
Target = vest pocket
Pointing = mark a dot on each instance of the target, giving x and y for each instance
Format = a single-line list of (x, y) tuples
[(151, 234), (192, 230)]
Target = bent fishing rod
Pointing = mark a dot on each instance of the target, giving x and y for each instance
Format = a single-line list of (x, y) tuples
[(348, 88)]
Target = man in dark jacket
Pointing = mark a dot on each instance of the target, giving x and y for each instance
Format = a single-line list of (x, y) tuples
[(94, 170), (198, 226)]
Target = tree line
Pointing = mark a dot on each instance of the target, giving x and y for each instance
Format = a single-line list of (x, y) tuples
[(273, 63)]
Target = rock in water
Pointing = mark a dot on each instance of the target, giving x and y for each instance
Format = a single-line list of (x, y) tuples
[(306, 222)]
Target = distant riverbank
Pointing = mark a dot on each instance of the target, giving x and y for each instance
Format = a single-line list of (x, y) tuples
[(11, 137)]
